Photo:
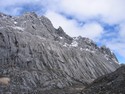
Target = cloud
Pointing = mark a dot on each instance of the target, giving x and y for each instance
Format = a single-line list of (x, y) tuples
[(116, 42), (110, 11), (122, 30), (92, 30), (5, 3), (118, 47), (100, 20), (17, 7)]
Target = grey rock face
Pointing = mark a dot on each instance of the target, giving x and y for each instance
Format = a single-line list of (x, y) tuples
[(113, 83), (38, 57)]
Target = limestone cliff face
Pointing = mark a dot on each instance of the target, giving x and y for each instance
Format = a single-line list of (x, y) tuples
[(36, 56)]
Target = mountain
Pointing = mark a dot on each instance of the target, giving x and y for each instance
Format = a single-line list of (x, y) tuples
[(113, 83), (36, 57)]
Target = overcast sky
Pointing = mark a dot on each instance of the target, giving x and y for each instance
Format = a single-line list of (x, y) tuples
[(100, 20)]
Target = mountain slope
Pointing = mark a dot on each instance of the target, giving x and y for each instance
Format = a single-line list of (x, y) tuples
[(113, 83), (36, 56)]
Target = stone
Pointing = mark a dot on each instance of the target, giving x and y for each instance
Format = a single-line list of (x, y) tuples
[(34, 57), (112, 83)]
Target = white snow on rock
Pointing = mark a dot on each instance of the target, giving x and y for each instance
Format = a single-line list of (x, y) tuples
[(111, 62), (61, 37), (115, 61), (66, 45), (19, 28), (81, 49), (15, 22), (106, 57), (88, 50), (74, 44)]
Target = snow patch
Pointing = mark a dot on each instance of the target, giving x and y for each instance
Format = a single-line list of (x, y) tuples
[(74, 44), (66, 45), (111, 62), (81, 49), (61, 37), (115, 61), (15, 22), (89, 50), (106, 57), (19, 28)]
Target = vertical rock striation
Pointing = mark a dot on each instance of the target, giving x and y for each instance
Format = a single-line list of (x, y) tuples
[(38, 57)]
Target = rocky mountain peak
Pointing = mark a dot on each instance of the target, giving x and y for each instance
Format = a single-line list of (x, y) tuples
[(2, 15), (108, 53), (30, 15), (83, 40), (106, 50), (37, 57), (63, 36)]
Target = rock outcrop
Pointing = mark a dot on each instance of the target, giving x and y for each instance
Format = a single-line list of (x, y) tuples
[(113, 83), (38, 57)]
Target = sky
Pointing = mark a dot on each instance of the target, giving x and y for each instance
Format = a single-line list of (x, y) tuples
[(103, 21)]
